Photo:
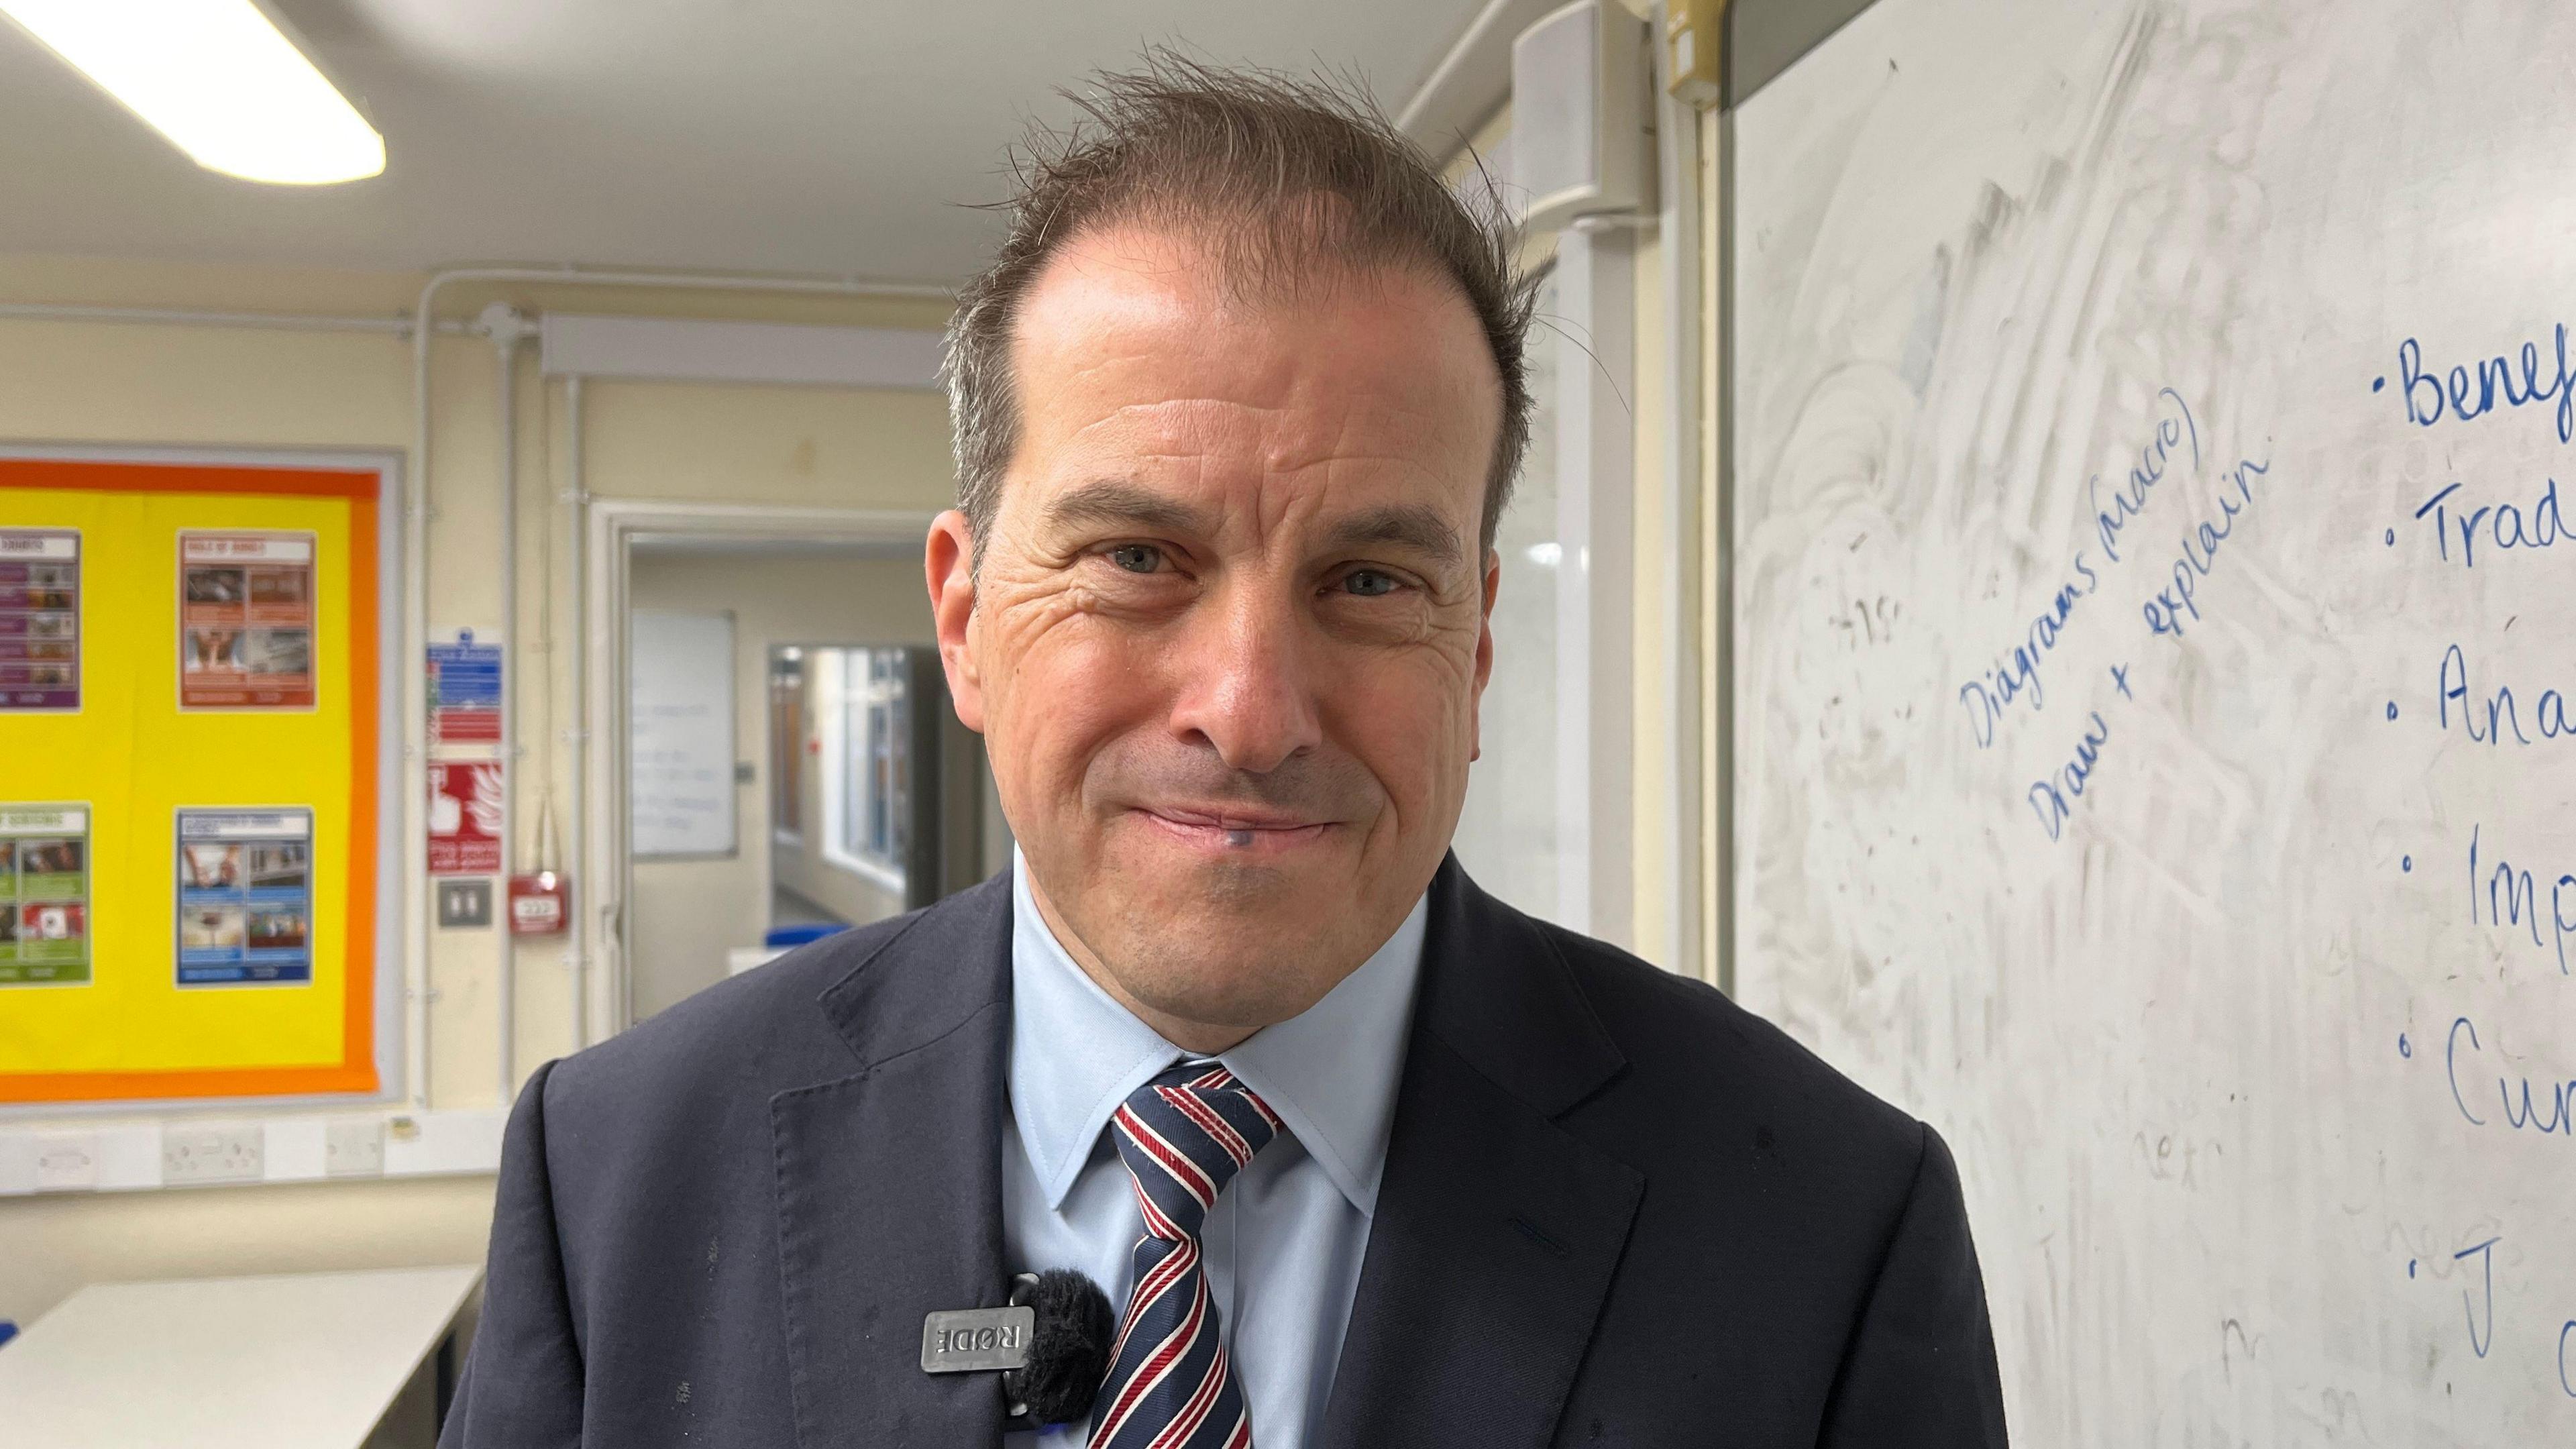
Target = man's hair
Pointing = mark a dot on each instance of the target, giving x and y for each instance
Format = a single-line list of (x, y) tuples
[(1285, 183)]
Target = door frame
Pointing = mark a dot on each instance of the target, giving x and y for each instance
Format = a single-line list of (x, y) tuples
[(609, 535)]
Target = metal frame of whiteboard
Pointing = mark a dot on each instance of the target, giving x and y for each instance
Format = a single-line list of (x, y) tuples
[(400, 775), (615, 525)]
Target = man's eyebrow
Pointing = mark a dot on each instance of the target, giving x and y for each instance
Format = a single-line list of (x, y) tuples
[(1121, 504), (1408, 525)]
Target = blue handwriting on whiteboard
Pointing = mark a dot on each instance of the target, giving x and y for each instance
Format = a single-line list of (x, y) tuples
[(2016, 676), (2130, 499), (2504, 523), (2486, 1253), (2052, 799), (2523, 1109), (2512, 896), (2503, 717), (2475, 394), (2165, 612)]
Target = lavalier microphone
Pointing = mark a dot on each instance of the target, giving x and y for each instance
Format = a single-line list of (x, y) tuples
[(1051, 1344)]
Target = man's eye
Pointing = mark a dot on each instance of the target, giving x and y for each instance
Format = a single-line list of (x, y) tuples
[(1137, 558), (1369, 583)]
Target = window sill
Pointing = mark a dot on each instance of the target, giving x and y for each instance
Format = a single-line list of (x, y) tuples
[(874, 872)]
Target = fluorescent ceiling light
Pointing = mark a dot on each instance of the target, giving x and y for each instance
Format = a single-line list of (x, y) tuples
[(218, 79)]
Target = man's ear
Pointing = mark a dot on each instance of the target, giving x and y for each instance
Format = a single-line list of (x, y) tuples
[(1485, 651), (948, 564)]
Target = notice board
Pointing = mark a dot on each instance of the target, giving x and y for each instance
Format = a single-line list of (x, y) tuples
[(194, 771)]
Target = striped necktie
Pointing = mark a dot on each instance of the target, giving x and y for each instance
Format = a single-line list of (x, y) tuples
[(1183, 1135)]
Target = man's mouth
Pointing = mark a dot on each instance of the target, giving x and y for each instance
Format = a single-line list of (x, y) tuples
[(1233, 830)]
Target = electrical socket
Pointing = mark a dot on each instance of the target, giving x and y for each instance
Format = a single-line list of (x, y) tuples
[(67, 1162), (353, 1147), (195, 1155)]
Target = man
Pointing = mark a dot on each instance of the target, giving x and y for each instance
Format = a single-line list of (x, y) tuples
[(1361, 1156)]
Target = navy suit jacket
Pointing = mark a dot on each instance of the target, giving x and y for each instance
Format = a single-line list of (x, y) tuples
[(1616, 1210)]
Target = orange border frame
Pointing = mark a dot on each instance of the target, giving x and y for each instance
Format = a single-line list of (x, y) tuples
[(355, 1072)]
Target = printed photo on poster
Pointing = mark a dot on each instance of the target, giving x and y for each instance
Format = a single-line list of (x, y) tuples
[(245, 897), (465, 818), (246, 614), (44, 895), (40, 613)]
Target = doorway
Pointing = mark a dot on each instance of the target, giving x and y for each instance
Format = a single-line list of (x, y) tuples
[(783, 760)]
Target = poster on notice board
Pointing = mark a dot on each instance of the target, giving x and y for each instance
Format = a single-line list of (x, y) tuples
[(44, 895), (39, 619), (246, 613), (245, 897)]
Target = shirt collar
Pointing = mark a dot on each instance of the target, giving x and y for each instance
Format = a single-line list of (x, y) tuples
[(1330, 1072)]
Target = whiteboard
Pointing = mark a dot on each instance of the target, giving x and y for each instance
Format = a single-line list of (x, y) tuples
[(2151, 760), (680, 721)]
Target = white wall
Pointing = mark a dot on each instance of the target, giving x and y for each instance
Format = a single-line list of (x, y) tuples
[(688, 912), (109, 383)]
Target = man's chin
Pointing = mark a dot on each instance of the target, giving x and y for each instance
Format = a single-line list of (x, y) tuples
[(1219, 907), (1234, 992)]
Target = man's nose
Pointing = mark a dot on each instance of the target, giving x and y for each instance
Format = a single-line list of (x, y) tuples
[(1248, 681)]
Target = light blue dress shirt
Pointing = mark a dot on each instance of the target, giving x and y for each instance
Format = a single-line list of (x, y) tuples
[(1284, 1242)]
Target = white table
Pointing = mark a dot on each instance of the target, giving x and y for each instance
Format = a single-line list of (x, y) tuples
[(295, 1361)]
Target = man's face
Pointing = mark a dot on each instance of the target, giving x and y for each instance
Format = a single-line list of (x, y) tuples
[(1229, 632)]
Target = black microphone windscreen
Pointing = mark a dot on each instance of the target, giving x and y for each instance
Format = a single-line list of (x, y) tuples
[(1068, 1347)]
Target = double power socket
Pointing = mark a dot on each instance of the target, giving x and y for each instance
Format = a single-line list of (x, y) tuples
[(194, 1154)]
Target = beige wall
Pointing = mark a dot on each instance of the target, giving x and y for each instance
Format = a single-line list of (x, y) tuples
[(115, 383), (689, 912)]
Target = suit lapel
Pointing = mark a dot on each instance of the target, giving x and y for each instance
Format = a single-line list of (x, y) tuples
[(889, 1185), (1497, 1231)]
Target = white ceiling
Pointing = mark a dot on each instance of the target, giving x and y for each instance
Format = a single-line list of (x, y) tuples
[(761, 135)]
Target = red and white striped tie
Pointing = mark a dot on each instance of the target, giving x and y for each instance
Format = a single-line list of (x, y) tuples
[(1183, 1135)]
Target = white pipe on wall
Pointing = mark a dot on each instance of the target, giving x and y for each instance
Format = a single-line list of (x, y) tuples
[(168, 317), (507, 327), (576, 498)]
